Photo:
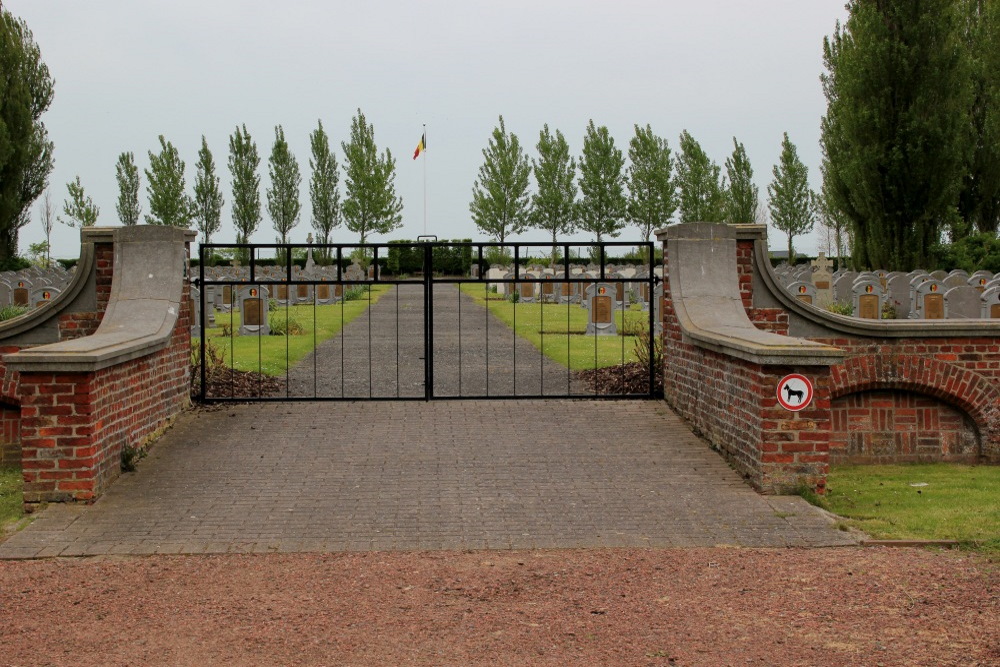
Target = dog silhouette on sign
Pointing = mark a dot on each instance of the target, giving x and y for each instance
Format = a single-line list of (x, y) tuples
[(797, 393)]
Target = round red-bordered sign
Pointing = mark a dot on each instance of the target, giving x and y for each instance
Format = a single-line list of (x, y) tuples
[(795, 392)]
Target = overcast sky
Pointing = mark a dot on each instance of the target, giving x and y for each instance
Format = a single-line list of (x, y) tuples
[(127, 71)]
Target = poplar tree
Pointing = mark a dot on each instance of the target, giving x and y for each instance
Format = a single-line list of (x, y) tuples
[(500, 201), (652, 193), (243, 163), (553, 206), (979, 201), (602, 207), (127, 175), (207, 194), (700, 189), (80, 210), (742, 197), (370, 205), (168, 204), (791, 202), (26, 160), (896, 135), (283, 196), (324, 195)]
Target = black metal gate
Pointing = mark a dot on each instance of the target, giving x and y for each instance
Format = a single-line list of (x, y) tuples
[(426, 320)]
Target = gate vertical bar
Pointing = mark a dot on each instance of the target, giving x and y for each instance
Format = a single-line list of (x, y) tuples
[(204, 322), (650, 284), (428, 322)]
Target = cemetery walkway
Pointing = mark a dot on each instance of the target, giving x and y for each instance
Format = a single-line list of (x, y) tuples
[(408, 475), (381, 354)]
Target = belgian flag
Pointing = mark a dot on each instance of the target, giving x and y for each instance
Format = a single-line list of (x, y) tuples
[(421, 147)]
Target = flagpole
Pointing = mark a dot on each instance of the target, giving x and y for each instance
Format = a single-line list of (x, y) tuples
[(425, 178)]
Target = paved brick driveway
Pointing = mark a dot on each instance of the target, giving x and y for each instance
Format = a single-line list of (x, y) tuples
[(413, 475)]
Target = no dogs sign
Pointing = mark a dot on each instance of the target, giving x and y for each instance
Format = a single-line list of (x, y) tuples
[(795, 392)]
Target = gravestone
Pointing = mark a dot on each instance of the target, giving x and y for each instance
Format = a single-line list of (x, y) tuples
[(928, 301), (20, 295), (195, 304), (42, 295), (962, 302), (803, 291), (324, 293), (281, 294), (303, 293), (939, 275), (822, 280), (990, 304), (868, 299), (898, 294), (526, 290), (4, 294), (547, 289), (956, 280), (253, 312), (658, 308), (602, 305), (843, 288)]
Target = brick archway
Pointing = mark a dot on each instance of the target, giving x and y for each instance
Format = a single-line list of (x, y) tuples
[(951, 384)]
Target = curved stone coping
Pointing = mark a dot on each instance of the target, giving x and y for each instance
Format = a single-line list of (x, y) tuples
[(143, 308), (36, 317), (853, 325), (704, 286)]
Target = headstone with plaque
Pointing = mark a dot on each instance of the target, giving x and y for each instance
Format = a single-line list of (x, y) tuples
[(990, 304), (21, 294), (822, 279), (602, 306), (803, 291), (254, 311), (526, 289), (928, 301), (868, 299), (42, 295)]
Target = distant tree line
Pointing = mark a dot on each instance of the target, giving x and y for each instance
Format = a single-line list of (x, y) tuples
[(596, 193)]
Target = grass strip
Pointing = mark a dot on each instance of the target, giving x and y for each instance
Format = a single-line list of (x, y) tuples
[(564, 327), (11, 499), (936, 501), (273, 355)]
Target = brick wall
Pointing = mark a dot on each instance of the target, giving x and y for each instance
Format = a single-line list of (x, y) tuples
[(733, 404), (900, 427), (902, 399), (74, 426), (70, 325)]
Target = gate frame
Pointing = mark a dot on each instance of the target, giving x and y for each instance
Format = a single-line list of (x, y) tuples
[(427, 282)]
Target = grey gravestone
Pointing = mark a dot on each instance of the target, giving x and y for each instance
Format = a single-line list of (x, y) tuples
[(956, 280), (898, 294), (526, 289), (254, 312), (658, 308), (324, 293), (868, 299), (928, 301), (939, 275), (990, 304), (42, 295), (962, 302), (195, 304), (844, 287), (602, 306), (803, 291)]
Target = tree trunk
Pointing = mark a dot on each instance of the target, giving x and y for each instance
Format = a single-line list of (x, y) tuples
[(8, 244)]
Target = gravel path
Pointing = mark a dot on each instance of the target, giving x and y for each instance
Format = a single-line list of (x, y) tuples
[(381, 354), (687, 607)]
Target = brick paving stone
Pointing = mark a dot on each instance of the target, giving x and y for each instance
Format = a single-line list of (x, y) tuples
[(425, 476)]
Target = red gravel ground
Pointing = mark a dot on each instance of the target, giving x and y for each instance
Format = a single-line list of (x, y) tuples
[(597, 607)]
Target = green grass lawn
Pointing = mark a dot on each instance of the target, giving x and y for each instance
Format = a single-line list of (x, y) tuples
[(546, 327), (11, 508), (939, 501), (273, 355)]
